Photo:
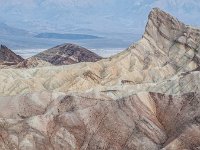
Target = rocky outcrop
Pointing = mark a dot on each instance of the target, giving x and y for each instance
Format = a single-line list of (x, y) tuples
[(179, 116), (159, 62), (8, 57), (79, 122), (57, 121), (67, 54), (146, 97), (32, 63)]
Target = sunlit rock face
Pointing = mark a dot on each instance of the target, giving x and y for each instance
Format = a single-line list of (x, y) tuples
[(145, 98)]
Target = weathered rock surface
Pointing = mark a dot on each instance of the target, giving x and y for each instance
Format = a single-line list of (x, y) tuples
[(67, 54), (8, 57), (158, 57), (147, 97), (58, 121), (32, 63)]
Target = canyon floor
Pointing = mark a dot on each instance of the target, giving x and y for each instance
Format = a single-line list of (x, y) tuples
[(144, 98)]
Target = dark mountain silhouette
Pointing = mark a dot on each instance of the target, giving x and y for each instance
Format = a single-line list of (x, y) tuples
[(67, 54), (8, 56)]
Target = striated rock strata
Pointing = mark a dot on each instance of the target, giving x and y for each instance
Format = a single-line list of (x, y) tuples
[(145, 98), (58, 121), (8, 57), (67, 54), (64, 54)]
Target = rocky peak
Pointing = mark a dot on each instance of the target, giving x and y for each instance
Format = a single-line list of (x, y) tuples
[(170, 28), (6, 55), (3, 47), (67, 54), (140, 92), (171, 41), (160, 22)]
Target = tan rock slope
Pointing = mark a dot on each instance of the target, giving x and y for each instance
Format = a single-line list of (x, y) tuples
[(158, 58), (145, 98), (32, 63)]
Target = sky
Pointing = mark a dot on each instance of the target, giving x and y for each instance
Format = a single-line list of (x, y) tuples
[(119, 22), (92, 16)]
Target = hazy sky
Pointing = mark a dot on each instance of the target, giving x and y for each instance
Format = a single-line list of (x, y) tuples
[(92, 16)]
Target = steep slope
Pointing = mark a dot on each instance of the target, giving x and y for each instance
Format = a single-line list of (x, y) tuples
[(67, 54), (167, 49), (8, 56), (145, 98), (32, 63)]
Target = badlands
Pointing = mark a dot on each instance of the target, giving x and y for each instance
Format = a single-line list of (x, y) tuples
[(144, 98)]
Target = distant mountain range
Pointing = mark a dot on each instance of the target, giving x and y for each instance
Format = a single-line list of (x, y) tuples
[(109, 19), (16, 38), (66, 36), (101, 15), (8, 30)]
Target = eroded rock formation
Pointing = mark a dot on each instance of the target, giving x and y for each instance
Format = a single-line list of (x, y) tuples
[(8, 57), (146, 97), (67, 54), (64, 54)]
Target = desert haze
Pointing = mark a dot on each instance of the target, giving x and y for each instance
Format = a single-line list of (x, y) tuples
[(146, 97)]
